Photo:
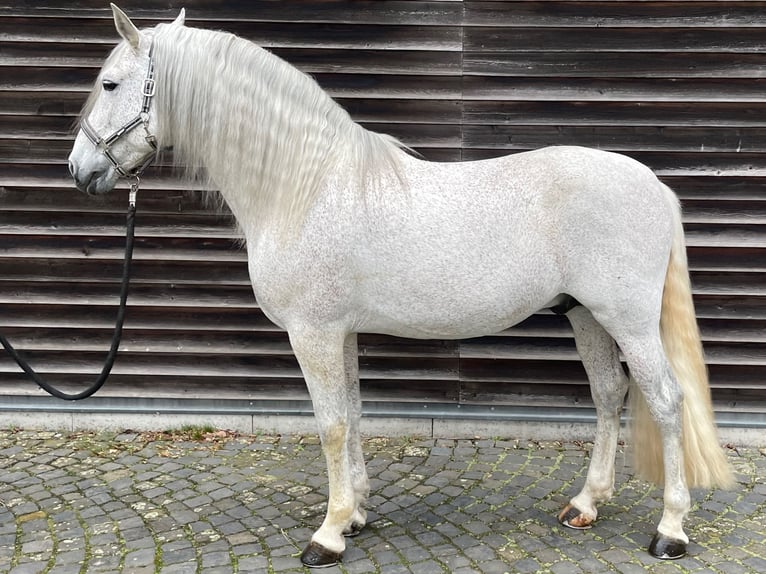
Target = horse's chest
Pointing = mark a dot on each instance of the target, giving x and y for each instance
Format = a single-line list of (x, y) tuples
[(300, 285)]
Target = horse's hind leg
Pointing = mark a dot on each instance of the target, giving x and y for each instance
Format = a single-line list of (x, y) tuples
[(650, 369), (321, 357), (609, 384)]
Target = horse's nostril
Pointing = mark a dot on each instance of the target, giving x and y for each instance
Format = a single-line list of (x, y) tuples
[(72, 169)]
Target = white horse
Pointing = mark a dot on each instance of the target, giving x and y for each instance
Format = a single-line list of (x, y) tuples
[(346, 232)]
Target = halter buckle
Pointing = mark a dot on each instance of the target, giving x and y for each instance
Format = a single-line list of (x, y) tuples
[(148, 88)]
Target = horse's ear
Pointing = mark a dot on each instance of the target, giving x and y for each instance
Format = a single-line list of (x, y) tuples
[(126, 28), (179, 21)]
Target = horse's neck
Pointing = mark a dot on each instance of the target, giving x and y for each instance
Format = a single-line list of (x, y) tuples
[(260, 129), (272, 153), (255, 217)]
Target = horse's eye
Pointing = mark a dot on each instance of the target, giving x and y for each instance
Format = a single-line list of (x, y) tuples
[(108, 85)]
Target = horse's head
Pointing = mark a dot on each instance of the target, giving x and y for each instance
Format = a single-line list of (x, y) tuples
[(116, 136)]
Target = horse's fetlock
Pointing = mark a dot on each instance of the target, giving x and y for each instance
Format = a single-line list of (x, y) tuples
[(342, 512)]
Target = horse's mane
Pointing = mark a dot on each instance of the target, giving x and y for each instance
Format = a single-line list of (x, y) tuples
[(250, 124)]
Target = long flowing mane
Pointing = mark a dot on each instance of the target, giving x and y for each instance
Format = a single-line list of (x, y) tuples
[(255, 127)]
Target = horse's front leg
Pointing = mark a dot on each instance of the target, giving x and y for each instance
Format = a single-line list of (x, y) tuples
[(359, 479), (320, 355)]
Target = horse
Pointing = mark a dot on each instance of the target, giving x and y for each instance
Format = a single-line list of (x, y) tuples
[(347, 231)]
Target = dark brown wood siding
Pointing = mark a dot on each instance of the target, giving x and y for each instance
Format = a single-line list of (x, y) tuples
[(678, 85)]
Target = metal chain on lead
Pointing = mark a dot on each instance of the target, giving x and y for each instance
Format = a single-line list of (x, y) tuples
[(135, 182)]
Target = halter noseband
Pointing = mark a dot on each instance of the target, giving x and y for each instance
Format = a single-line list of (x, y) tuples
[(104, 144)]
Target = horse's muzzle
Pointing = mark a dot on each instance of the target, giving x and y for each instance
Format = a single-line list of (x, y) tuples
[(93, 182)]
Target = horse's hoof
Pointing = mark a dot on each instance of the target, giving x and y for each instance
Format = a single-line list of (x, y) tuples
[(571, 517), (317, 556), (666, 548), (353, 530)]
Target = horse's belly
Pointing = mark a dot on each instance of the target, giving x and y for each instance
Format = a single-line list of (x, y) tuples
[(452, 301), (447, 322)]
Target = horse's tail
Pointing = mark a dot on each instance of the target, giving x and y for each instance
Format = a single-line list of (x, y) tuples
[(705, 461)]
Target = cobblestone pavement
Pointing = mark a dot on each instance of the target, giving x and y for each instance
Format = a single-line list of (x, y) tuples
[(216, 503)]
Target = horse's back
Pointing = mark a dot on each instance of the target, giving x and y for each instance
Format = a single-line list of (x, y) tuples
[(477, 246)]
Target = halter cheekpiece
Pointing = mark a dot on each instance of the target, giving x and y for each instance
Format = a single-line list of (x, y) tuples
[(104, 144)]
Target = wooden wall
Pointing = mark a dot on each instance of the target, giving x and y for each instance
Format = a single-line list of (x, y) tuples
[(677, 85)]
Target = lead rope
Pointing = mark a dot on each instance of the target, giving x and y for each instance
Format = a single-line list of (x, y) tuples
[(116, 336)]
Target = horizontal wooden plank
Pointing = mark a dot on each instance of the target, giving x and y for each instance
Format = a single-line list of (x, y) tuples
[(167, 296), (536, 394), (615, 113), (147, 271), (210, 389), (717, 211), (598, 64), (219, 344), (727, 307), (59, 111), (167, 196), (728, 235), (733, 330), (107, 248), (747, 188), (489, 393), (543, 349), (101, 32), (537, 377), (721, 258), (615, 14), (36, 102), (310, 60), (113, 224), (394, 86), (617, 138), (173, 364), (249, 319), (148, 388), (603, 39), (502, 89)]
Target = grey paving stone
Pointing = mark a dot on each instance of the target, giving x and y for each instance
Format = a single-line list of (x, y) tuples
[(29, 568), (184, 568)]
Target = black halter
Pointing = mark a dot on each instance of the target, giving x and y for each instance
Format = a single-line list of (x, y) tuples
[(104, 144)]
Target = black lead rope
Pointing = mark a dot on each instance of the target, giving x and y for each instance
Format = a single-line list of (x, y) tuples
[(116, 336)]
